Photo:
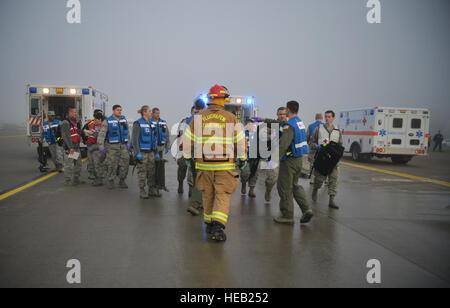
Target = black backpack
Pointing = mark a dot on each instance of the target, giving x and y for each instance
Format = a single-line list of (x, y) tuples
[(328, 157)]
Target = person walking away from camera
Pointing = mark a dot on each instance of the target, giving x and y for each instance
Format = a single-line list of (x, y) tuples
[(323, 135), (215, 139), (95, 157), (71, 135), (144, 148), (49, 132), (182, 169), (293, 146), (113, 140), (438, 139), (250, 173)]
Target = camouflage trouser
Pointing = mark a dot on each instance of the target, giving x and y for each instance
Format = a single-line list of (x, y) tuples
[(117, 157), (196, 200), (97, 161), (57, 155), (332, 181), (271, 176), (72, 168), (146, 170), (250, 173), (190, 178)]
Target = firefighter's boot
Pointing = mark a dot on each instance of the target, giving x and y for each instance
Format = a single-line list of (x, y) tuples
[(217, 233), (251, 192), (306, 217), (315, 194), (333, 204)]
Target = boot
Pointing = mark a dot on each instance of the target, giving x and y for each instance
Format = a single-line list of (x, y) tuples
[(333, 204), (123, 185), (306, 217), (180, 188), (110, 185), (315, 194), (67, 183), (283, 220), (190, 191), (193, 211), (97, 182), (217, 233), (244, 188), (143, 194), (157, 193), (251, 193), (268, 195)]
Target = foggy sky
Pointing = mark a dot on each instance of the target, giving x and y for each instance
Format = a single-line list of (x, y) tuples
[(322, 53)]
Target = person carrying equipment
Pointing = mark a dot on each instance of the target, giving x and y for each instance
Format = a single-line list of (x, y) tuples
[(323, 136), (96, 159), (70, 132), (49, 132), (215, 139)]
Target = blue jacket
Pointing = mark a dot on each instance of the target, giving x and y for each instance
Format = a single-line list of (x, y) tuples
[(117, 130), (147, 138), (313, 127), (299, 145), (50, 131), (161, 131)]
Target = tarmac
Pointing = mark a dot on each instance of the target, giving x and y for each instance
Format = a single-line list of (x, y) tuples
[(390, 213)]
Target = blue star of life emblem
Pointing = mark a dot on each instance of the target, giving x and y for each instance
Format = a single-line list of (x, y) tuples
[(419, 134), (383, 133)]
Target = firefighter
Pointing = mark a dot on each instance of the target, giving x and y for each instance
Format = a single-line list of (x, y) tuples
[(195, 198), (250, 173), (216, 139), (144, 148), (293, 146), (272, 167), (50, 129), (70, 132), (95, 157), (113, 140), (323, 135), (309, 133), (163, 145)]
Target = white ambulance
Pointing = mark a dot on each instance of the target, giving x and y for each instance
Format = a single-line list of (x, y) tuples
[(243, 107), (41, 99), (385, 132)]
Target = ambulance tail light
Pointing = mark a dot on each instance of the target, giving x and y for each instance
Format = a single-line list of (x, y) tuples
[(45, 90)]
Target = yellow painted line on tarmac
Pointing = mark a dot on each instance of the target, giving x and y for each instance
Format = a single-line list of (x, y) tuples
[(28, 185), (404, 175), (8, 137)]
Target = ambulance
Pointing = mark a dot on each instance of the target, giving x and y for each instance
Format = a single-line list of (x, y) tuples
[(41, 99), (243, 107), (385, 132)]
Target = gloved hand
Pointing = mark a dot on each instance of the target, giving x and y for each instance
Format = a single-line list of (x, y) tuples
[(242, 164), (166, 151), (157, 155), (102, 150), (188, 163), (139, 156)]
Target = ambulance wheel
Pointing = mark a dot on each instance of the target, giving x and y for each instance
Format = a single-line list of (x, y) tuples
[(356, 152), (84, 152)]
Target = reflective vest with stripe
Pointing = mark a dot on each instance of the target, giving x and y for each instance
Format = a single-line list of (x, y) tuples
[(74, 132), (147, 140), (313, 127), (299, 146), (326, 137), (50, 131), (117, 130), (161, 131), (94, 128)]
